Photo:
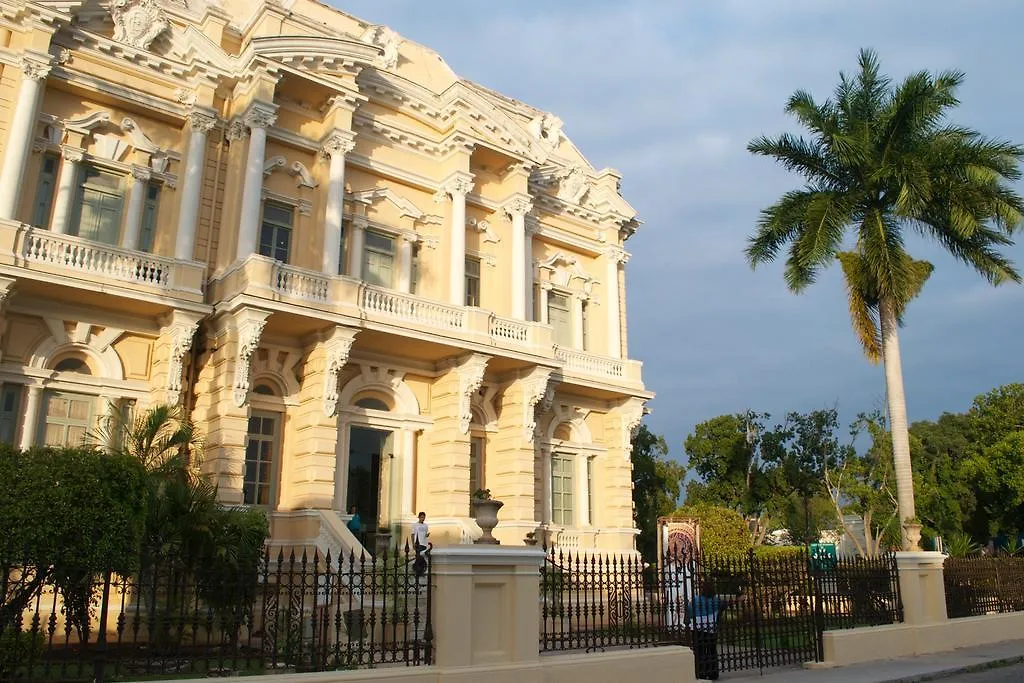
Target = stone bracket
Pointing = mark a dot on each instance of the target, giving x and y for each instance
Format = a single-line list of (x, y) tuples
[(538, 397), (632, 414), (337, 345), (248, 324), (471, 370), (180, 327)]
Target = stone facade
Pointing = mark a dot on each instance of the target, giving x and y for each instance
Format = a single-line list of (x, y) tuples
[(371, 282)]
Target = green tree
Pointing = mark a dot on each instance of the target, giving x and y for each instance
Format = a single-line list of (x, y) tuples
[(882, 161), (656, 485), (946, 499), (722, 531)]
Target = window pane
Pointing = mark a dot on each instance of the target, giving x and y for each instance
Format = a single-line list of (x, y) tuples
[(66, 419), (45, 191), (472, 281), (379, 269), (378, 242), (277, 213), (149, 216), (560, 319)]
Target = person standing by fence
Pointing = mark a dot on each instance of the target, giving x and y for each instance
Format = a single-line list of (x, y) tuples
[(421, 543), (704, 612)]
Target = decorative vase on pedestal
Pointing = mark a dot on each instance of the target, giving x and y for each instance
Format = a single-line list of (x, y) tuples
[(913, 535), (485, 512)]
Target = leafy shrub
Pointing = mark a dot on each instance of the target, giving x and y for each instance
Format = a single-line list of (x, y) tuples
[(18, 648), (722, 531)]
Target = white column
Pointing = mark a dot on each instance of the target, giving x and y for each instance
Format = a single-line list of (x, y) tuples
[(71, 157), (201, 124), (545, 458), (408, 472), (28, 427), (517, 208), (528, 275), (457, 187), (337, 145), (576, 306), (613, 257), (355, 248), (583, 508), (20, 134), (136, 204), (405, 246), (544, 289), (258, 119)]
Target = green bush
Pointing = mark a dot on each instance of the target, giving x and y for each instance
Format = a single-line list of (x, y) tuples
[(18, 649), (723, 531)]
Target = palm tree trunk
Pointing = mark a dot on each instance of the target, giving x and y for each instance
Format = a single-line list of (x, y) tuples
[(897, 417)]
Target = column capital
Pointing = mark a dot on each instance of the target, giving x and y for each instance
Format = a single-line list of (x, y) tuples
[(338, 142), (201, 121), (458, 183), (141, 174), (75, 155), (260, 115), (360, 223), (35, 68), (517, 206), (616, 254), (410, 238), (236, 131)]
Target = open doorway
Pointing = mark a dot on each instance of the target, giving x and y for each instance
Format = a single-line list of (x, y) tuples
[(370, 481)]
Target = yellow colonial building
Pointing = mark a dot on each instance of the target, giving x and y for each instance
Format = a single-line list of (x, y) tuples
[(372, 283)]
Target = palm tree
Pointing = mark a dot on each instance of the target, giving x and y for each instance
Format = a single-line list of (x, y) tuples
[(882, 161)]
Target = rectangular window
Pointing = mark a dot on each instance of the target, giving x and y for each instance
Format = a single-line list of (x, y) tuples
[(560, 318), (67, 418), (584, 325), (45, 191), (379, 259), (260, 455), (472, 281), (10, 409), (276, 231), (148, 233), (99, 206), (476, 464), (590, 491), (562, 490), (414, 278)]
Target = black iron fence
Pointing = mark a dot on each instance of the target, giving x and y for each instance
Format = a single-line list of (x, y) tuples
[(976, 586), (745, 612), (290, 613)]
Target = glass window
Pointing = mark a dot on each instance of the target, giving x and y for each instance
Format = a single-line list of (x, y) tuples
[(148, 234), (100, 201), (372, 404), (260, 454), (472, 281), (379, 259), (476, 464), (560, 318), (45, 191), (414, 280), (562, 490), (342, 261), (67, 418), (10, 410), (276, 231), (73, 365)]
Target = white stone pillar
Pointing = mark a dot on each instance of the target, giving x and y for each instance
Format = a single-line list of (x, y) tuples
[(28, 427), (259, 117), (517, 208), (576, 306), (613, 257), (457, 187), (67, 184), (408, 472), (355, 248), (20, 134), (335, 147), (545, 457), (201, 123), (405, 247), (136, 205)]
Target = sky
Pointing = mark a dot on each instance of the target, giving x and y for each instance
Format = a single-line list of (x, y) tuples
[(670, 92)]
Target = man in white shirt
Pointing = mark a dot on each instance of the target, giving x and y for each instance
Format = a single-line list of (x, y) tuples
[(420, 543)]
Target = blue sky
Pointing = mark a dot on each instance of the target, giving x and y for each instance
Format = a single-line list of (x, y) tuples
[(669, 92)]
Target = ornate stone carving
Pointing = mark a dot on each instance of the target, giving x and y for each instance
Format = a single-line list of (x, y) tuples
[(386, 39), (573, 185), (538, 394), (306, 178), (63, 56), (185, 96), (272, 164), (305, 207), (632, 414), (471, 376), (260, 117), (201, 122), (517, 206), (617, 254), (138, 22), (338, 143), (75, 155), (546, 129), (140, 140), (458, 183), (181, 333), (249, 324), (236, 131), (35, 69), (141, 174), (484, 228), (337, 348)]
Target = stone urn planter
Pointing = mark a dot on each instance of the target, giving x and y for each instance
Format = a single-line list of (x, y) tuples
[(912, 529), (485, 512)]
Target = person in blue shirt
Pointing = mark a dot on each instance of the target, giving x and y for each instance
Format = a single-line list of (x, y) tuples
[(355, 525), (705, 609)]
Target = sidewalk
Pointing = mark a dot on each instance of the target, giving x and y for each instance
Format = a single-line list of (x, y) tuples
[(924, 668)]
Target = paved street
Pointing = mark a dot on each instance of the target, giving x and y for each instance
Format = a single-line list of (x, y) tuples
[(1010, 674)]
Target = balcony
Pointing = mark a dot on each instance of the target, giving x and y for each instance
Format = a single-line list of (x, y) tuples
[(617, 371), (74, 261), (378, 307)]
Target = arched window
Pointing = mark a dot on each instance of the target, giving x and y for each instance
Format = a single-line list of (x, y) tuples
[(264, 390), (372, 404), (76, 365)]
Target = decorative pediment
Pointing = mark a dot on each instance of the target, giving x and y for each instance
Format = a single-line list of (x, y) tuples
[(403, 204), (303, 178), (314, 53), (138, 22), (563, 269)]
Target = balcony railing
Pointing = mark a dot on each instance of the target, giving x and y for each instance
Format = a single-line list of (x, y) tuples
[(411, 309), (505, 329), (301, 283), (99, 259), (590, 364)]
